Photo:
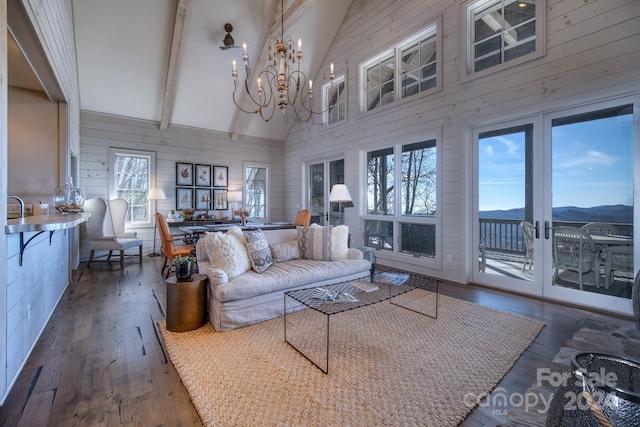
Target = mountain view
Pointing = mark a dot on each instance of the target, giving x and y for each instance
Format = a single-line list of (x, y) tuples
[(617, 214)]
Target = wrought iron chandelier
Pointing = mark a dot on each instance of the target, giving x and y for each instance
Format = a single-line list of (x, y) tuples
[(279, 83)]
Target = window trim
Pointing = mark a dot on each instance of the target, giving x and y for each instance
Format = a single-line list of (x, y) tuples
[(151, 204), (398, 218), (432, 27), (466, 41)]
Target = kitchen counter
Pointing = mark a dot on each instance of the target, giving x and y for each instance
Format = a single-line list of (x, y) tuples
[(50, 222)]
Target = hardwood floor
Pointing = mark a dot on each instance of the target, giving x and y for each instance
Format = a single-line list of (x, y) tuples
[(100, 360)]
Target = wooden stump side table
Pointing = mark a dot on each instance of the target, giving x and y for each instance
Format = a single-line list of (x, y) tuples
[(186, 303)]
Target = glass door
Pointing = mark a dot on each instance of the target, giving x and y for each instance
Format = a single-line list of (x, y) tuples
[(592, 159), (505, 225), (321, 178)]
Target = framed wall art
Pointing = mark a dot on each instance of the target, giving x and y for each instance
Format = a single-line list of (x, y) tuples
[(203, 198), (184, 198), (184, 173), (220, 175), (220, 200), (203, 175)]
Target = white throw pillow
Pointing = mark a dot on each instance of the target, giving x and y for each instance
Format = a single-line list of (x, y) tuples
[(227, 252)]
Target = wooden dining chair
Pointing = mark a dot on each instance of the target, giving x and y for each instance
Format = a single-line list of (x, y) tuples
[(169, 248), (303, 218)]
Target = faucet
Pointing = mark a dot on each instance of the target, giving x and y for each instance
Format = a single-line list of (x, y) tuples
[(21, 204)]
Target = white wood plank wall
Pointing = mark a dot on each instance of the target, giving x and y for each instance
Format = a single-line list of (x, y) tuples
[(99, 132), (592, 54)]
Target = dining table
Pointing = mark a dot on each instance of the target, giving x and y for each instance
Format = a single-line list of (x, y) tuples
[(196, 231)]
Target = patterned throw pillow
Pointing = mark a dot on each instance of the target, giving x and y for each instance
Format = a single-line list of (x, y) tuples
[(259, 251), (339, 241), (227, 252), (285, 251), (315, 243)]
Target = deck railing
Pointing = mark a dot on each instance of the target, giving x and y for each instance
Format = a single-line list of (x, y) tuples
[(505, 235)]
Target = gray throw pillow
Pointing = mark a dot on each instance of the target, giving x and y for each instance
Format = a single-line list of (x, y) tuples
[(285, 251), (259, 251), (315, 243)]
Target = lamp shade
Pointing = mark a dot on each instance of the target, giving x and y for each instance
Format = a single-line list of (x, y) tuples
[(156, 194), (234, 196), (339, 193)]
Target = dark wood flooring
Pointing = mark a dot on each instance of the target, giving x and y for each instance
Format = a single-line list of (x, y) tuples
[(100, 361)]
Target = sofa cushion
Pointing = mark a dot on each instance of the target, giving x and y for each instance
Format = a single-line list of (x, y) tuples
[(315, 243), (259, 251), (339, 240), (286, 251), (227, 252)]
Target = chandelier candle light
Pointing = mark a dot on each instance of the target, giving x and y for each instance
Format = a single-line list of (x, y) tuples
[(281, 80)]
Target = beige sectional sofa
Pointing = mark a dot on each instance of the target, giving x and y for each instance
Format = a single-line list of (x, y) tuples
[(249, 297)]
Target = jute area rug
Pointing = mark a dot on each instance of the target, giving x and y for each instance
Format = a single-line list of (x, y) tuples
[(388, 366)]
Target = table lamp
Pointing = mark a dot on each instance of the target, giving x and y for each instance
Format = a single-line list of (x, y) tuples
[(340, 194), (234, 197), (155, 194)]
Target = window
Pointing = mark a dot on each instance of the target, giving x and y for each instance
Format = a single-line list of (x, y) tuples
[(409, 209), (256, 189), (415, 57), (502, 33), (131, 180), (334, 105)]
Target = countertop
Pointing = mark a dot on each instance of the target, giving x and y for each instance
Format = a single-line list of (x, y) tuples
[(50, 222)]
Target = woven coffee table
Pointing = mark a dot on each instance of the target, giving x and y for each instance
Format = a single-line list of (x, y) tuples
[(318, 346)]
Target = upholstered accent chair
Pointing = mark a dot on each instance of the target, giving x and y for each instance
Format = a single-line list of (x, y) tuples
[(101, 227)]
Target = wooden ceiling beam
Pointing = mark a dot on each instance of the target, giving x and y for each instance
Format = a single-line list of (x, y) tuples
[(174, 55)]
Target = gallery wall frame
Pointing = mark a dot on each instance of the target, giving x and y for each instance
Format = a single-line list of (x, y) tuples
[(220, 176), (220, 201), (203, 198), (184, 174), (184, 198), (203, 175)]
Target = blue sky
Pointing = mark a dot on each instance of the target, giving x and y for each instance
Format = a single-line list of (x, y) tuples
[(592, 166)]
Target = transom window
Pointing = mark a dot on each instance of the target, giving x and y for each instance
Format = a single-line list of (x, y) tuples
[(417, 60), (131, 180), (334, 104), (502, 33)]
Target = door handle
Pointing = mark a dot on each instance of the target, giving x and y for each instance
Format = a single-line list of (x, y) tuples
[(537, 228), (546, 230)]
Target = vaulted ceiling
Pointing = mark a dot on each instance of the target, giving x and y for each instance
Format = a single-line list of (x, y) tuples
[(160, 60)]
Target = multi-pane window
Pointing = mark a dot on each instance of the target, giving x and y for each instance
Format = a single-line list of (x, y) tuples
[(256, 181), (416, 58), (334, 101), (131, 180), (502, 31), (379, 83), (419, 66), (414, 168)]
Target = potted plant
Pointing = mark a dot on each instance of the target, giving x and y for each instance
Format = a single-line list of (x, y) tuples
[(183, 265)]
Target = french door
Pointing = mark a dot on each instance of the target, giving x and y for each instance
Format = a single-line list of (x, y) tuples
[(321, 177), (572, 168)]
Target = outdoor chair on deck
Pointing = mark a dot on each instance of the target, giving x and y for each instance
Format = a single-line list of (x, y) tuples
[(169, 248), (618, 259), (577, 256), (101, 227), (527, 235), (600, 228)]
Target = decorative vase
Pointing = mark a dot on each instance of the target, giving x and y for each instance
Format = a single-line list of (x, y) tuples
[(68, 198), (243, 220), (183, 270)]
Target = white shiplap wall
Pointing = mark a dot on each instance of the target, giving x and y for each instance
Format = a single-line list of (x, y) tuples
[(99, 132), (592, 53)]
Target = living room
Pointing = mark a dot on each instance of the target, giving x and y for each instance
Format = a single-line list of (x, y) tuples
[(587, 58)]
